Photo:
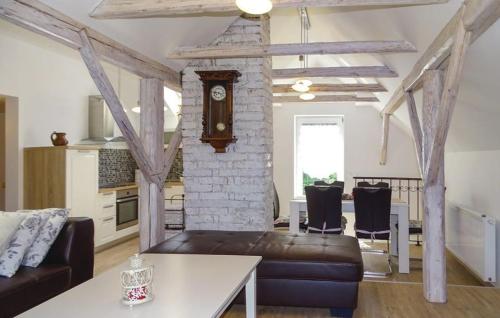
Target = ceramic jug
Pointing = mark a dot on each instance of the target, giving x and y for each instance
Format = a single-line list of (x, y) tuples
[(59, 139)]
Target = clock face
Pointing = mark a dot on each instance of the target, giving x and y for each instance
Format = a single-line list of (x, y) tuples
[(218, 93), (221, 127)]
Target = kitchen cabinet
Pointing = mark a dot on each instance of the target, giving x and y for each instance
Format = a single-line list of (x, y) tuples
[(68, 177), (82, 185), (106, 218), (61, 177)]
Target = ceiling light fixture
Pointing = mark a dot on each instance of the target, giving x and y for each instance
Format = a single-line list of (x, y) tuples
[(304, 82), (255, 7), (300, 88), (302, 85), (307, 96)]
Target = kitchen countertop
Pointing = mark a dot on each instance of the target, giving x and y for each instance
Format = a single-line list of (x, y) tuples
[(135, 186), (123, 187)]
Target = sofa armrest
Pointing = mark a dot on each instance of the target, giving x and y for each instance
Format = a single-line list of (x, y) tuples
[(75, 247)]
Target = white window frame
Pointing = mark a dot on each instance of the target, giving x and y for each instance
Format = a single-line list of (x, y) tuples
[(311, 119)]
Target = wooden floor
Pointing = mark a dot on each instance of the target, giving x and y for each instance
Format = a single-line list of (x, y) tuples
[(116, 255), (378, 299), (457, 273), (399, 295)]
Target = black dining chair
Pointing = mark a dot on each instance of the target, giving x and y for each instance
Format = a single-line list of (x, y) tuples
[(339, 184), (372, 209), (324, 210), (280, 222), (364, 184), (381, 185)]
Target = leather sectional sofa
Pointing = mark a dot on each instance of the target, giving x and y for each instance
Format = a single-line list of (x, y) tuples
[(304, 270), (70, 262)]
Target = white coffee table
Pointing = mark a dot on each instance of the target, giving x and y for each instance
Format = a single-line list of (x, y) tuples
[(184, 286)]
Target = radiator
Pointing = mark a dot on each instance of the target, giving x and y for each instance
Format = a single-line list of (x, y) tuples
[(470, 236)]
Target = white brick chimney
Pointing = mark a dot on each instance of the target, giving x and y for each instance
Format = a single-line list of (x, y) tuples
[(233, 190)]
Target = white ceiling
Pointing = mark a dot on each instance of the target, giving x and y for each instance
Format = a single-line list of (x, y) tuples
[(477, 112), (153, 37)]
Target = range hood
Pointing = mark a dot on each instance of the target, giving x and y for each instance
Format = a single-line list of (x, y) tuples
[(101, 123)]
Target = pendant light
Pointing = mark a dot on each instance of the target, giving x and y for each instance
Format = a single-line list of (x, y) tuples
[(307, 96), (255, 7), (303, 85)]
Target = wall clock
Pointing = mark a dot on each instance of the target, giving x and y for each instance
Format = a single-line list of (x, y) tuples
[(218, 108)]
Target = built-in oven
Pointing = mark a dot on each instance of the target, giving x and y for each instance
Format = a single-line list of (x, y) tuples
[(127, 208)]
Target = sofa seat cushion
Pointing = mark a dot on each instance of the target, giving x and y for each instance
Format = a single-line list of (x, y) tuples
[(285, 256), (32, 286)]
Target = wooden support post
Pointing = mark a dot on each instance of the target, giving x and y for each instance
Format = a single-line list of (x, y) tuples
[(385, 138), (102, 82), (442, 116), (151, 199), (171, 152), (434, 260), (416, 128)]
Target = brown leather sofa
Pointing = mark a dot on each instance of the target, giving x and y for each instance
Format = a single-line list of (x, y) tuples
[(304, 270), (70, 262)]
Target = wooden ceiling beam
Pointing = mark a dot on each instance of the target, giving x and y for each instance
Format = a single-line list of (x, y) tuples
[(348, 71), (319, 48), (119, 9), (333, 88), (477, 15), (42, 19), (385, 139), (324, 99), (480, 15)]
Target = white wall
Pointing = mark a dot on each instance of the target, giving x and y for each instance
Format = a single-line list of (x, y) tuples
[(53, 85), (472, 181), (363, 135)]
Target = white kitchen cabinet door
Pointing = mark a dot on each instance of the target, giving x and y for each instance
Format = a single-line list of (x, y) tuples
[(82, 173), (106, 230)]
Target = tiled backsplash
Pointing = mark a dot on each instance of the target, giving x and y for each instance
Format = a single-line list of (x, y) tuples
[(117, 166)]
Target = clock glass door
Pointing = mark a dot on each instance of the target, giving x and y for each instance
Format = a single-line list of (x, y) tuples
[(218, 115)]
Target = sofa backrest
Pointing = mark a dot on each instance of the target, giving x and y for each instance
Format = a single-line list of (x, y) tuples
[(75, 247)]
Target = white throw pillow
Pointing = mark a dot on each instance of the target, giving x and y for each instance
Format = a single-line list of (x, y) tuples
[(56, 218), (11, 258), (8, 227)]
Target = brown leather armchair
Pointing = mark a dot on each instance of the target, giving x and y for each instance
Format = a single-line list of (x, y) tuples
[(70, 262)]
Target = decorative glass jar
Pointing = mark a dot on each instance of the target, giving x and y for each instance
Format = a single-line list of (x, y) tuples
[(137, 282)]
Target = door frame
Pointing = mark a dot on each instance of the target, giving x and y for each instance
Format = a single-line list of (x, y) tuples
[(13, 152)]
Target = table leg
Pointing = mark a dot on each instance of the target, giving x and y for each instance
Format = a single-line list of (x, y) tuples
[(294, 217), (403, 241), (394, 235), (251, 296)]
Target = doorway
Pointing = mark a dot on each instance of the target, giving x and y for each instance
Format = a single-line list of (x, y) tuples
[(10, 173)]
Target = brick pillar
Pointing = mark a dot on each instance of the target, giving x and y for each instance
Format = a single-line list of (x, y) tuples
[(232, 191)]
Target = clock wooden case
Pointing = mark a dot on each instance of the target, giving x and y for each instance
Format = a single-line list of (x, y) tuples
[(218, 108)]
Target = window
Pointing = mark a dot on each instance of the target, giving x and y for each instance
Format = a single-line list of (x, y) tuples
[(319, 151)]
